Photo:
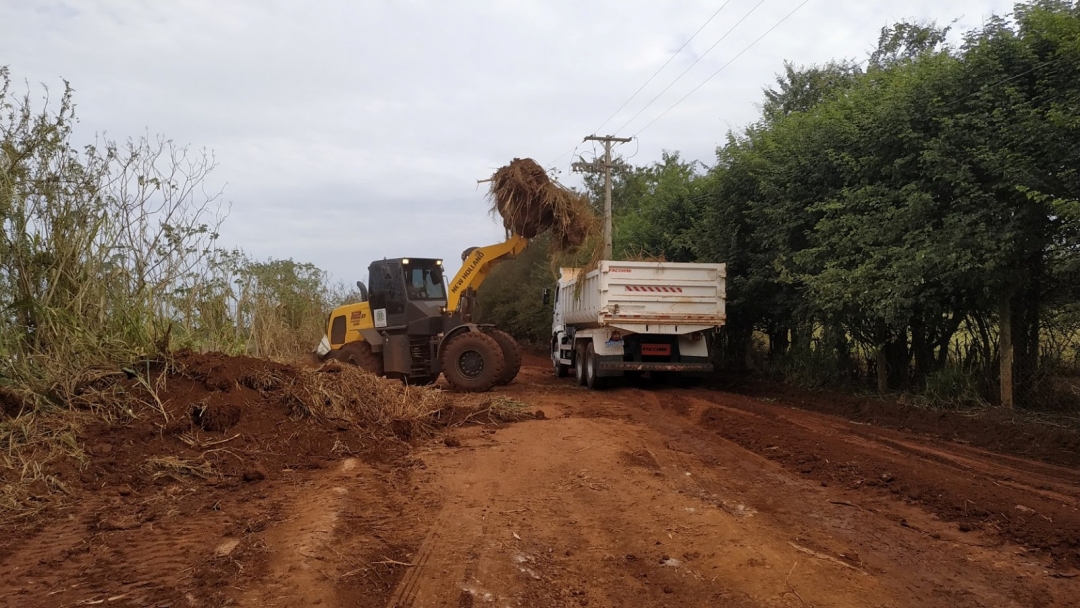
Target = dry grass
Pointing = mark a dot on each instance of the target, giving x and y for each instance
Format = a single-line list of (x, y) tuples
[(177, 468), (640, 254), (37, 438), (531, 204), (31, 447), (484, 409), (347, 393)]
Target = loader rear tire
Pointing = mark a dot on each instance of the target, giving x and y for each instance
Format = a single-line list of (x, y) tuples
[(511, 354), (421, 380), (359, 354), (473, 362)]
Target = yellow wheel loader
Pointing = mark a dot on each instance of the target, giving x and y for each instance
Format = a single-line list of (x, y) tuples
[(413, 325)]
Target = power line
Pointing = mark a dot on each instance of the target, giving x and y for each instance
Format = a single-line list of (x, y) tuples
[(613, 114), (568, 151), (732, 60), (657, 72), (700, 57)]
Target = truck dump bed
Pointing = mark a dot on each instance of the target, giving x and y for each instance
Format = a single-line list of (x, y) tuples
[(656, 297)]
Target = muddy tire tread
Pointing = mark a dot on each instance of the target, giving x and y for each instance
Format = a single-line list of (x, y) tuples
[(494, 362), (511, 355)]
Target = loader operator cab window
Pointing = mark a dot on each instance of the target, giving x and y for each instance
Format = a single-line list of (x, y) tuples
[(386, 288), (424, 281)]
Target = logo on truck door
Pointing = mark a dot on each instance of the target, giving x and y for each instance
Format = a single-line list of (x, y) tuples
[(380, 317)]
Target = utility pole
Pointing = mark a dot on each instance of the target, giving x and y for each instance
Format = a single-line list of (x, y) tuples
[(606, 165)]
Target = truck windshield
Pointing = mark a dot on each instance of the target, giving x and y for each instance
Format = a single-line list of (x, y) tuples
[(424, 281)]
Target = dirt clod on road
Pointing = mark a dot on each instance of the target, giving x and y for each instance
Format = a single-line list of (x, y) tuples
[(642, 495)]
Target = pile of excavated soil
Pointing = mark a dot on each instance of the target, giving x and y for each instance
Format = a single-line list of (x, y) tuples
[(227, 421), (172, 479), (233, 419)]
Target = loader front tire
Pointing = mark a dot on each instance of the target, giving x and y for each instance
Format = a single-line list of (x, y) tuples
[(473, 362), (359, 354), (511, 355)]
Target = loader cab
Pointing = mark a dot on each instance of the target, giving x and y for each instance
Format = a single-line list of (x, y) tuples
[(405, 290)]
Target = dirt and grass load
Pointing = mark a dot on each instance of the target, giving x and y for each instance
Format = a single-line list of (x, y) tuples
[(532, 204), (219, 418)]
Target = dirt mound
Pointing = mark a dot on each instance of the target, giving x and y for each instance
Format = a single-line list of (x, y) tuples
[(998, 429), (230, 420), (166, 459), (531, 204), (225, 421)]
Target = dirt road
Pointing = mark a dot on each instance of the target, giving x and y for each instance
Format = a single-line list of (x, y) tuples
[(636, 496)]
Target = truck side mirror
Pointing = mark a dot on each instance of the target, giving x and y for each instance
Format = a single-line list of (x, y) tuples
[(547, 296), (363, 291)]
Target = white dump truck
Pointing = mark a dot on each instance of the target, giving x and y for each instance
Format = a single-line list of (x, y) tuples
[(636, 317)]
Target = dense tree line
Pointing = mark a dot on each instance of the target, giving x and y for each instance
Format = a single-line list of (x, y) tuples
[(909, 221)]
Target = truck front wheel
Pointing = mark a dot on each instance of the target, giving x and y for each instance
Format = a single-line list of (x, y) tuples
[(473, 362), (562, 370)]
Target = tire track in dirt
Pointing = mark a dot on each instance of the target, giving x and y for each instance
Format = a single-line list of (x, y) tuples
[(575, 511), (298, 545), (978, 492), (342, 539), (889, 541), (913, 552), (1039, 476), (139, 555), (639, 496)]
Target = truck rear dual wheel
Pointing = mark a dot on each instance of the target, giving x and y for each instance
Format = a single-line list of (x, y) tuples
[(579, 363), (586, 366), (592, 380), (473, 362), (511, 354)]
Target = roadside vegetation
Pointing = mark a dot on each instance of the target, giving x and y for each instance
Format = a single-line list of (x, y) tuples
[(895, 223), (109, 255), (109, 262)]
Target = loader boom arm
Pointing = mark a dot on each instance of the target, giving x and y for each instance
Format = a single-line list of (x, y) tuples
[(476, 266)]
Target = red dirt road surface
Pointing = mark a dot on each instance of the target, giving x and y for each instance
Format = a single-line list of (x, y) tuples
[(642, 495)]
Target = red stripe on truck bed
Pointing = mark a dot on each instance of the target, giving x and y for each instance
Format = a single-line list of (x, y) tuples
[(653, 288)]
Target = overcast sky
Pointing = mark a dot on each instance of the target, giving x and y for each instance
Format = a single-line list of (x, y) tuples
[(347, 131)]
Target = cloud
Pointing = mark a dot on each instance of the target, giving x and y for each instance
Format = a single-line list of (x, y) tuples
[(351, 131)]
